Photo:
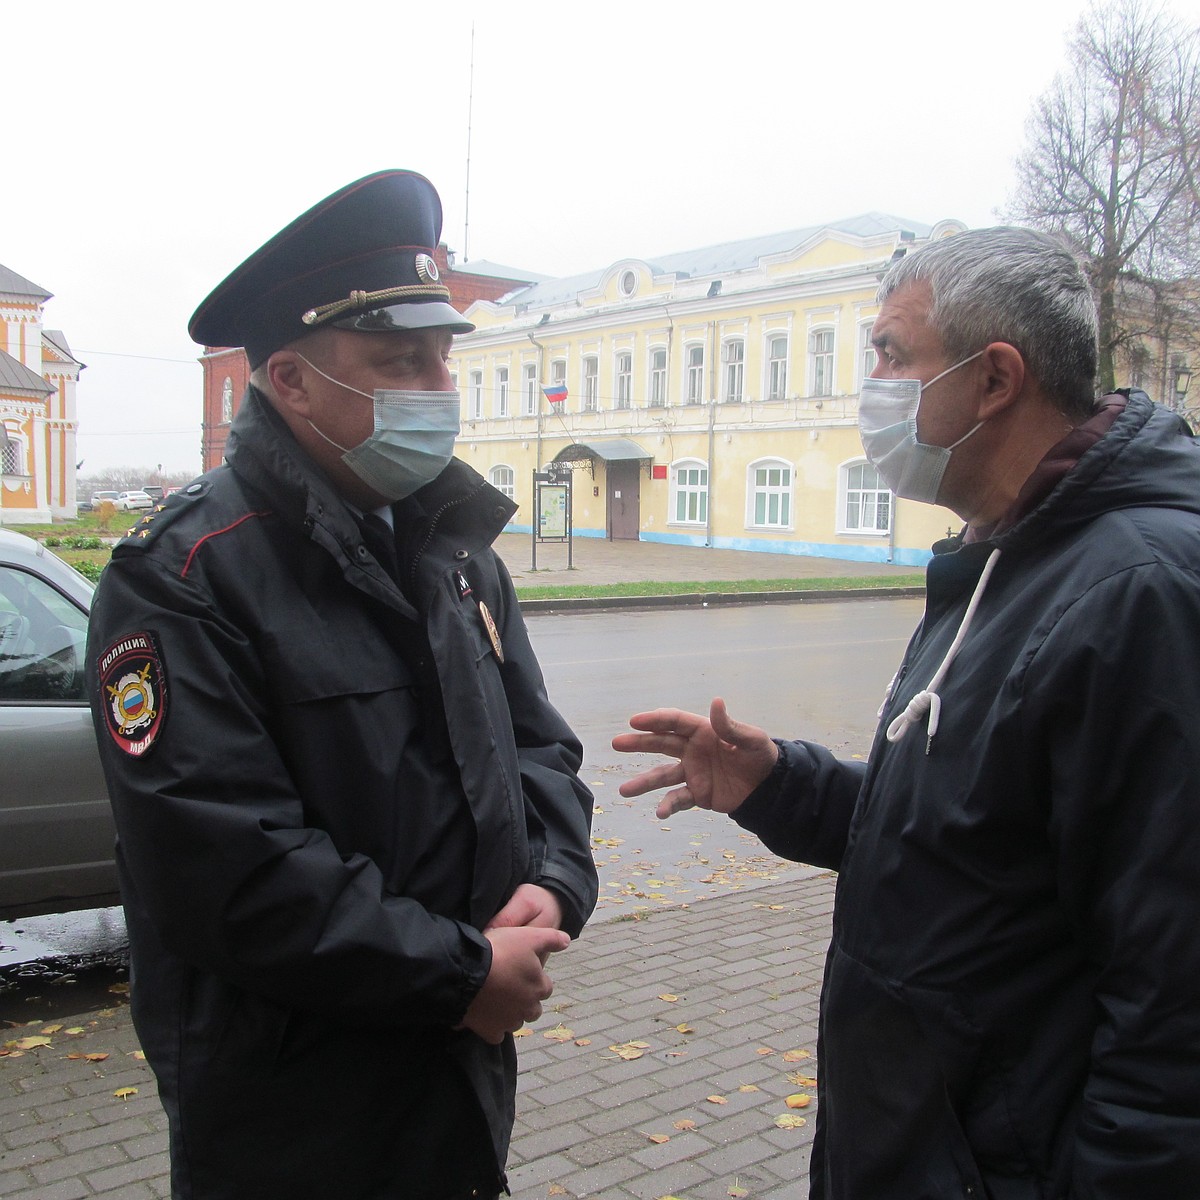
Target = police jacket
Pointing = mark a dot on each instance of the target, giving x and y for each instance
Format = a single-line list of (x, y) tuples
[(325, 785), (1011, 1005)]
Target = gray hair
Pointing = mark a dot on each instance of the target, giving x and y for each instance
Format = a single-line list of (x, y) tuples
[(1017, 286)]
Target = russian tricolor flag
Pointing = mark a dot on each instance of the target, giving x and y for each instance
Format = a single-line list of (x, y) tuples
[(556, 393)]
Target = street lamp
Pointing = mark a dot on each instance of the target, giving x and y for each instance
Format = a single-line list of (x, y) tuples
[(1183, 377)]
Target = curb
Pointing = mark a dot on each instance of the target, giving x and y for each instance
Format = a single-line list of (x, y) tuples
[(714, 599)]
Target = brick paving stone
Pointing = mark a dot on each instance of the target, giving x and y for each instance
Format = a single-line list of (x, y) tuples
[(746, 967)]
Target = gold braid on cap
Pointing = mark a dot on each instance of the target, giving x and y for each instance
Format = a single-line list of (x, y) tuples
[(315, 316)]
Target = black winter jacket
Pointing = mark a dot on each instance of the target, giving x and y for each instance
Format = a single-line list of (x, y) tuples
[(339, 785), (1011, 1006)]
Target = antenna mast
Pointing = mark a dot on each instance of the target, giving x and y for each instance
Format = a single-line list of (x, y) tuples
[(467, 199)]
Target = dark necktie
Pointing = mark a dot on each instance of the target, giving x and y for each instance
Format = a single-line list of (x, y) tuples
[(381, 542)]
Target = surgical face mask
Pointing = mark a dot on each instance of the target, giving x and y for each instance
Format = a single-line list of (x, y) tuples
[(411, 444), (887, 424)]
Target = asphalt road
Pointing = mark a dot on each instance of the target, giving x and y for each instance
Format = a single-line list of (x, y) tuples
[(816, 671)]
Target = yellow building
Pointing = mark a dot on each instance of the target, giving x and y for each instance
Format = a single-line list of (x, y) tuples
[(38, 420), (710, 396)]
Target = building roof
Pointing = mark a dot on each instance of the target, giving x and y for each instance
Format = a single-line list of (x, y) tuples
[(12, 284), (491, 270), (58, 342), (725, 257), (15, 376)]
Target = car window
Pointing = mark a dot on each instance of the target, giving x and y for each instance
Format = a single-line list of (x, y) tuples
[(42, 638)]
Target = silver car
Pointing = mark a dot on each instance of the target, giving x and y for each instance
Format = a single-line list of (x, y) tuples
[(56, 829)]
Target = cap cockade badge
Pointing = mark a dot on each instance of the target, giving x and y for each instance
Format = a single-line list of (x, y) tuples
[(133, 685), (427, 269)]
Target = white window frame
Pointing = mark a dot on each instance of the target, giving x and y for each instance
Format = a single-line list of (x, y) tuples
[(879, 496), (733, 355), (866, 358), (779, 495), (498, 480), (821, 360), (624, 376), (529, 391), (692, 492), (693, 375), (475, 395), (19, 452), (591, 383), (656, 393), (501, 398), (777, 366)]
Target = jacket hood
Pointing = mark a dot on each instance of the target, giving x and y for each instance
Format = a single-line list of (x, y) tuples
[(1148, 458)]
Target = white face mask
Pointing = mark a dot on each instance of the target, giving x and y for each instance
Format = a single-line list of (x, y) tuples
[(887, 425), (411, 444)]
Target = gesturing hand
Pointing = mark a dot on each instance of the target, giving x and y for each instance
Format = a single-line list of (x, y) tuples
[(517, 983), (720, 760)]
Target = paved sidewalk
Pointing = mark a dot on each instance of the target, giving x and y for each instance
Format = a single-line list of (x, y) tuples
[(711, 1009), (597, 561)]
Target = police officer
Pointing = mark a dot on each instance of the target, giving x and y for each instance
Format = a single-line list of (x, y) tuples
[(351, 829)]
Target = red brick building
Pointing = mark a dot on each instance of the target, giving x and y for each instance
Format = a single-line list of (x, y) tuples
[(227, 371)]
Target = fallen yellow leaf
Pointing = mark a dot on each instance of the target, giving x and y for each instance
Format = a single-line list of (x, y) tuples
[(51, 1029), (736, 1191), (668, 997), (560, 1033), (524, 1031), (804, 1081), (685, 1028), (583, 1041), (797, 1055), (748, 1087), (75, 1031), (659, 1139), (556, 1189), (140, 1055), (30, 1043), (764, 1050), (125, 1093), (685, 1124), (790, 1121), (716, 1099), (120, 989), (629, 1050), (798, 1100), (96, 1056)]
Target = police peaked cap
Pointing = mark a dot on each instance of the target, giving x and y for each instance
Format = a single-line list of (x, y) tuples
[(362, 259)]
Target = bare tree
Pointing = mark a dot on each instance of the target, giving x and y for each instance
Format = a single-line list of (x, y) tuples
[(1113, 157)]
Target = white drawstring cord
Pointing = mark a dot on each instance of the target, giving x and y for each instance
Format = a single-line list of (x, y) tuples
[(928, 701)]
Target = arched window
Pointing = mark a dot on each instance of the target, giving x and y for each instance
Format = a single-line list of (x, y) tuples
[(227, 401), (504, 479), (689, 492), (733, 354), (864, 501), (820, 362), (769, 494)]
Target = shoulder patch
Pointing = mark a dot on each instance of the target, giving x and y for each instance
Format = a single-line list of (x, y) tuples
[(133, 687)]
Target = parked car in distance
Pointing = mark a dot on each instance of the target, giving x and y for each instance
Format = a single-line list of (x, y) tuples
[(133, 501), (98, 498), (56, 828), (154, 490)]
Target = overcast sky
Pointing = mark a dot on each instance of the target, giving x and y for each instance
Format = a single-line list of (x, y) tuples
[(151, 147)]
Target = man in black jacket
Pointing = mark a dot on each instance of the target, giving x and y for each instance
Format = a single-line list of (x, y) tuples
[(1011, 1005), (351, 829)]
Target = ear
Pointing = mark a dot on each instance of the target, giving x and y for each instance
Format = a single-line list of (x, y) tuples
[(1004, 378), (285, 370)]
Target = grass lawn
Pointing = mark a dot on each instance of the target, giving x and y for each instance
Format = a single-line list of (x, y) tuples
[(78, 542)]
